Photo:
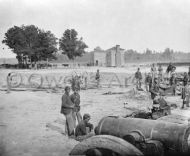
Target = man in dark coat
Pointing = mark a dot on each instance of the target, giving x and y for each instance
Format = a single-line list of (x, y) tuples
[(185, 91), (173, 83), (97, 77), (148, 82), (67, 109), (160, 72), (138, 77)]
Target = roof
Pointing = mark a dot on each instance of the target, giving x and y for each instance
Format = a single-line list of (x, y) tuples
[(114, 48)]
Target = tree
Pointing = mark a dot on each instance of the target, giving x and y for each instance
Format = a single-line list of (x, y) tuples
[(71, 45), (46, 46), (15, 40), (148, 54), (168, 54), (30, 43)]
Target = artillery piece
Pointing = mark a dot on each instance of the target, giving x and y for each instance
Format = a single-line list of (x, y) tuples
[(119, 136)]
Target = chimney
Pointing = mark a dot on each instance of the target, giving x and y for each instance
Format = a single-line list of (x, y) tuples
[(117, 48)]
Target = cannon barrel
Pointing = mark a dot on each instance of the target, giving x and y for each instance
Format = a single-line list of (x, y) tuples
[(173, 136)]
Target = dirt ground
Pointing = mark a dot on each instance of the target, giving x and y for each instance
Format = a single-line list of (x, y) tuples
[(31, 123)]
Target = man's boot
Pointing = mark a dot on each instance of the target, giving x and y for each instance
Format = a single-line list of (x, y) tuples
[(183, 104)]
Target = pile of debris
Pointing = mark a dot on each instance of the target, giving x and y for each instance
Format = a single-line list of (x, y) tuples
[(137, 95)]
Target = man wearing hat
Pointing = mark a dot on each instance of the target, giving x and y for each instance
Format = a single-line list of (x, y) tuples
[(84, 128), (154, 90), (67, 109), (138, 77)]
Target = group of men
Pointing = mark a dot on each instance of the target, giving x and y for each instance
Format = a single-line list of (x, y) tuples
[(153, 79), (71, 109), (148, 79)]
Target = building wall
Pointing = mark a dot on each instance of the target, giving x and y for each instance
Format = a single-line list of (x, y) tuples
[(120, 61), (114, 57), (118, 58), (110, 59), (99, 58), (122, 58)]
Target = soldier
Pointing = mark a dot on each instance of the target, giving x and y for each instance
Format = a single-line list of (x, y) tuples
[(8, 83), (154, 90), (75, 98), (170, 70), (185, 91), (76, 81), (189, 73), (138, 77), (160, 72), (84, 128), (67, 109), (98, 78), (173, 83), (158, 101), (153, 71), (148, 82)]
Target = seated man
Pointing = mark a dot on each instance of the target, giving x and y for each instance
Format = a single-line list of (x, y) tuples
[(155, 95), (84, 128)]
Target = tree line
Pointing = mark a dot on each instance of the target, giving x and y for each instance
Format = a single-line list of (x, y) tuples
[(32, 44), (168, 55)]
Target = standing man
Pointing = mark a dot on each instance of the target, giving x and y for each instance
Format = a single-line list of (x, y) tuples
[(75, 98), (67, 109), (173, 83), (154, 90), (185, 91), (170, 69), (189, 73), (148, 82), (160, 72), (138, 77), (8, 83), (75, 82), (98, 78), (153, 71)]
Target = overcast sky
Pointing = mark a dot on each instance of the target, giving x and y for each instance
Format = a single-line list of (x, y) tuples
[(133, 24)]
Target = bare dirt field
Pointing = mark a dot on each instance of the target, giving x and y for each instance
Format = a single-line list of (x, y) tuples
[(31, 123)]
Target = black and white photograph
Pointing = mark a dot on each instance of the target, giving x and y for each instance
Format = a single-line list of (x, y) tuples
[(94, 77)]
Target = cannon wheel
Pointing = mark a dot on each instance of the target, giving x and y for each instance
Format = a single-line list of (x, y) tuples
[(106, 142)]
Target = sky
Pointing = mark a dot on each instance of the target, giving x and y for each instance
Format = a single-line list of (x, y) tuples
[(133, 24)]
